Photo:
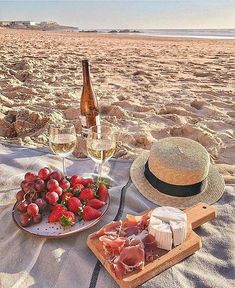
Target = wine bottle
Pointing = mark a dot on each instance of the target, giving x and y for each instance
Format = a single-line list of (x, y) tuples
[(89, 104)]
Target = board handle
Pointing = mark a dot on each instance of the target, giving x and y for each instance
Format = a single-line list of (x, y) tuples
[(200, 214)]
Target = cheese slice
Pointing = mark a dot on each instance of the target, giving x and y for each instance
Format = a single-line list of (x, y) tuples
[(169, 213), (179, 231)]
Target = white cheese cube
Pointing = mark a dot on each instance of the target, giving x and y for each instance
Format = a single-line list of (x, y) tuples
[(179, 231)]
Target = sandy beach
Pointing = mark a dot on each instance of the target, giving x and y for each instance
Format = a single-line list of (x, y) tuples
[(148, 88)]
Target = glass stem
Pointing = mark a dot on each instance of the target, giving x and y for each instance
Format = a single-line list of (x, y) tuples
[(64, 168), (100, 171)]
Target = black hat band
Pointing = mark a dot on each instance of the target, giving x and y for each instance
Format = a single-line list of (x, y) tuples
[(171, 189)]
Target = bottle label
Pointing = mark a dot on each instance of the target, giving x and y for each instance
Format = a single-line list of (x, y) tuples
[(86, 125), (97, 120), (83, 121)]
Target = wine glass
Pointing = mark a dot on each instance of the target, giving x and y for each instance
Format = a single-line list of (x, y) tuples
[(62, 140), (101, 145)]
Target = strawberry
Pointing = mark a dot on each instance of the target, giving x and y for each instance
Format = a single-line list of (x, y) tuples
[(86, 194), (90, 213), (96, 203), (65, 197), (87, 181), (77, 188), (56, 213), (67, 219), (58, 207), (52, 217), (79, 180), (102, 192), (74, 179), (74, 205)]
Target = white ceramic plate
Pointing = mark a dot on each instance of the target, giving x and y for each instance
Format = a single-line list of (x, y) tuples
[(55, 230)]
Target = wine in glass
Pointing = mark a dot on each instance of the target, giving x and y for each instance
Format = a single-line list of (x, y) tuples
[(101, 145), (62, 140)]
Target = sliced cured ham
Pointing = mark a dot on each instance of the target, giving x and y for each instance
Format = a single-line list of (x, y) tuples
[(112, 244), (130, 228), (142, 220), (113, 228), (140, 237), (150, 247), (129, 244), (131, 258)]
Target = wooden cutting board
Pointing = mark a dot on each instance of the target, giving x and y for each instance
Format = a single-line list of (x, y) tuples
[(197, 215)]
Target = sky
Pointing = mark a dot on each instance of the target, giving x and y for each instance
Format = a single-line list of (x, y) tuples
[(120, 14)]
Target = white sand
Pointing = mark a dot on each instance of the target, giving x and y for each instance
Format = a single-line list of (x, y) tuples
[(148, 88)]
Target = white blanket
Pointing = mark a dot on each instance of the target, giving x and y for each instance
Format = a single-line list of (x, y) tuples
[(28, 261)]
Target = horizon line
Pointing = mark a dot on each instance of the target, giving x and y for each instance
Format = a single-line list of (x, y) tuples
[(115, 28)]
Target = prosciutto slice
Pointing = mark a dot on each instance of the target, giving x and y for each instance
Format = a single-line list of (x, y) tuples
[(113, 228), (130, 228), (142, 220), (127, 244), (112, 244), (150, 247), (131, 258)]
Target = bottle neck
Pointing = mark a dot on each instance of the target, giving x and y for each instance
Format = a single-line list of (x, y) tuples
[(86, 73)]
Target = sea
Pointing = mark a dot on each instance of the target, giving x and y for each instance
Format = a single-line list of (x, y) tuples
[(187, 33)]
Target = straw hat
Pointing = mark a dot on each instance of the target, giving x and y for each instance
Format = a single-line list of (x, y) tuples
[(177, 172)]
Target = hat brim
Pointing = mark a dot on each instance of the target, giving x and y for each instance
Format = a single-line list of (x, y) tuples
[(213, 192)]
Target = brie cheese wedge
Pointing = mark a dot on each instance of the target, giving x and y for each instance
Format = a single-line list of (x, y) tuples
[(168, 225), (163, 236), (153, 223), (179, 231), (169, 213), (162, 233)]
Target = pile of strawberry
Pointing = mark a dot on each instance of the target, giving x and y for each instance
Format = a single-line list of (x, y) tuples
[(68, 200)]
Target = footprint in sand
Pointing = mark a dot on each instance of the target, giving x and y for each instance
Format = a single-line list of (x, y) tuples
[(210, 141), (231, 114), (217, 125), (223, 104), (143, 140), (202, 74), (215, 114), (7, 128), (131, 106), (113, 110), (198, 104), (27, 122), (21, 75), (72, 113), (22, 65), (176, 110)]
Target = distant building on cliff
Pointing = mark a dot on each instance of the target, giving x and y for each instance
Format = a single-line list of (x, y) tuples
[(5, 23), (25, 23), (43, 25), (48, 23), (15, 23)]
